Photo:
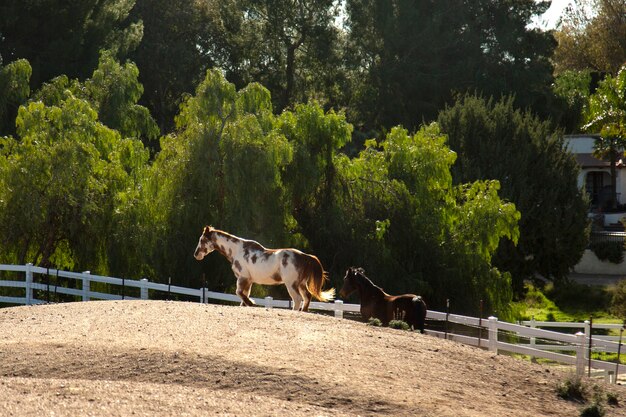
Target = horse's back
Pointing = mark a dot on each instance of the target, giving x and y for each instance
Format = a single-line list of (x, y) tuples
[(409, 308)]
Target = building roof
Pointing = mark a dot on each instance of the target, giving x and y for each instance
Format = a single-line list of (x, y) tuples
[(587, 160)]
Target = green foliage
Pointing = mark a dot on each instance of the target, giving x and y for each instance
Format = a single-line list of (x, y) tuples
[(14, 90), (405, 64), (573, 88), (618, 299), (606, 114), (69, 182), (566, 302), (113, 91), (60, 183), (608, 251), (399, 324), (607, 111), (570, 296), (402, 217), (180, 42), (222, 168), (527, 157), (374, 322), (593, 410), (59, 37)]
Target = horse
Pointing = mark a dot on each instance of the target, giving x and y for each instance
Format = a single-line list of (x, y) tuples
[(376, 303), (302, 274)]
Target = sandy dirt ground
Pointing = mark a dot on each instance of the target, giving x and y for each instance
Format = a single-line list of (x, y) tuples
[(159, 358)]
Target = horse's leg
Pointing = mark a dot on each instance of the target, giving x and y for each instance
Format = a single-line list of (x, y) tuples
[(306, 296), (292, 289), (244, 286)]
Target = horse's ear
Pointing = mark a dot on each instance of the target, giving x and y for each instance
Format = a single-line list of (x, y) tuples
[(207, 230)]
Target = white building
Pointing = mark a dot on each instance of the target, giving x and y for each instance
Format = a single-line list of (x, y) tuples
[(595, 176)]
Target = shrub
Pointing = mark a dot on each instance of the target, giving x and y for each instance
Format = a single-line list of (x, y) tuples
[(572, 388), (608, 251), (593, 410), (571, 295), (612, 399), (373, 321), (399, 324)]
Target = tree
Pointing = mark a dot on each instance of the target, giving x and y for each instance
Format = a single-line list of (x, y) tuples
[(222, 168), (14, 90), (607, 115), (179, 44), (408, 58), (291, 47), (316, 138), (60, 183), (592, 36), (495, 141), (113, 91), (65, 38), (67, 177), (573, 88), (402, 218)]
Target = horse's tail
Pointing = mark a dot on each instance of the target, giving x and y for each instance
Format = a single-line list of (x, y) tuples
[(315, 278)]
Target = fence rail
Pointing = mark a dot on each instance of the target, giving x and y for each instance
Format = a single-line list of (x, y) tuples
[(487, 333), (606, 236)]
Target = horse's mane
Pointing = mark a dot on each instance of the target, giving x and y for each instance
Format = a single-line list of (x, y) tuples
[(210, 229), (229, 236), (361, 272)]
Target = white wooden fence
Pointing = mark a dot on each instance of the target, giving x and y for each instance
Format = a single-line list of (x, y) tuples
[(525, 338)]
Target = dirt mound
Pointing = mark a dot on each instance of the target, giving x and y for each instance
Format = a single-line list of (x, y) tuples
[(170, 358)]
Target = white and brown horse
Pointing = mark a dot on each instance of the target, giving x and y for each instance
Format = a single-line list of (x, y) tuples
[(302, 274)]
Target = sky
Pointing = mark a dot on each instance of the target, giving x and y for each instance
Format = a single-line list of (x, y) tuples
[(550, 18)]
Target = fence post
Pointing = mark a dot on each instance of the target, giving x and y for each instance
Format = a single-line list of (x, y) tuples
[(588, 330), (493, 334), (29, 283), (339, 309), (86, 285), (144, 289), (580, 354), (268, 302), (533, 338), (532, 326), (203, 297)]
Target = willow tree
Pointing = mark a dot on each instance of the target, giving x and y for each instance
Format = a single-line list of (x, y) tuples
[(221, 168), (61, 179), (416, 230), (316, 138), (14, 90)]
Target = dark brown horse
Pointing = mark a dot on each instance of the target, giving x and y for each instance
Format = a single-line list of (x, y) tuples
[(376, 303)]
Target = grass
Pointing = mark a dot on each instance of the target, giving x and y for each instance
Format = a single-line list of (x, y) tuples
[(568, 302), (571, 302)]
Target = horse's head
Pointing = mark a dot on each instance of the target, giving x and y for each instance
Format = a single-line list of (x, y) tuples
[(350, 281), (205, 244)]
